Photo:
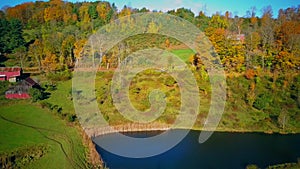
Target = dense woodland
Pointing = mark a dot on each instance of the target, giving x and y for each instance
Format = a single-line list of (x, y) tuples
[(49, 36)]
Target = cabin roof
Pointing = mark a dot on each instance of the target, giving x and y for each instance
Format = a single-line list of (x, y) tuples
[(30, 82), (10, 69), (19, 88), (23, 86)]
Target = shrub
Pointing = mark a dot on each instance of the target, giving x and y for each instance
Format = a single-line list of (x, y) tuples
[(169, 81), (72, 117), (56, 109), (262, 101), (45, 104), (37, 94), (50, 87), (257, 80), (22, 157), (59, 76), (249, 74), (3, 86)]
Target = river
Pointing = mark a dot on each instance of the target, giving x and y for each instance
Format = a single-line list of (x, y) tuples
[(221, 150)]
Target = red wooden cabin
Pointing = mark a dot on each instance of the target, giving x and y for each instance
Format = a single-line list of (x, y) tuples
[(10, 73), (21, 90)]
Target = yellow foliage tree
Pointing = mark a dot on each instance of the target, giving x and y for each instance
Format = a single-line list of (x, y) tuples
[(84, 13), (50, 63), (78, 47)]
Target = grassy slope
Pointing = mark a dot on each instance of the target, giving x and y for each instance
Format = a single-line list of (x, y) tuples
[(183, 54), (62, 97), (238, 114), (28, 125)]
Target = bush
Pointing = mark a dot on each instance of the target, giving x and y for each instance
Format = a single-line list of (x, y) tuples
[(262, 101), (22, 157), (72, 117), (46, 105), (37, 94), (50, 87), (56, 109), (3, 86), (169, 81), (59, 76), (257, 80), (249, 74)]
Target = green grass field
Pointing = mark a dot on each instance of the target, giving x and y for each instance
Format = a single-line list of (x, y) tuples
[(25, 125), (62, 97), (183, 54)]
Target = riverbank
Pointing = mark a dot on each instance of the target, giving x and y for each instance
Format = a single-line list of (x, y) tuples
[(95, 132), (137, 127), (260, 104)]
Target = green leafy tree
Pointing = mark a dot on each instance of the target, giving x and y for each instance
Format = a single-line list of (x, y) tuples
[(202, 21), (20, 54), (10, 35), (93, 11), (262, 101), (37, 94)]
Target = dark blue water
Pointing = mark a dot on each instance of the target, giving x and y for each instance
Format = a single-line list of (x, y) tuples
[(222, 150)]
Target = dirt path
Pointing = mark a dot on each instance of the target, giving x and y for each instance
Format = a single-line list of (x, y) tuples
[(40, 130)]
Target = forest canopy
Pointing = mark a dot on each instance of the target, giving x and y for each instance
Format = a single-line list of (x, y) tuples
[(28, 30)]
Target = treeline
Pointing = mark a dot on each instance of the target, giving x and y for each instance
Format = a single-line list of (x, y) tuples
[(50, 35)]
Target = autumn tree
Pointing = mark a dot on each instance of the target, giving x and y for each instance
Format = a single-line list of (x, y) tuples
[(186, 14), (267, 32), (54, 32), (36, 51), (152, 27), (84, 13), (167, 43), (105, 11), (202, 21), (55, 12), (37, 17), (22, 12), (126, 11), (50, 62), (78, 47), (67, 14), (252, 37), (67, 51), (218, 21), (195, 60)]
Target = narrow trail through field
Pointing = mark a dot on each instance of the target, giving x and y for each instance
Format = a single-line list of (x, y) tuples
[(69, 157)]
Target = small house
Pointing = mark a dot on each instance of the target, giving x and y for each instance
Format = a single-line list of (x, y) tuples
[(11, 74), (21, 90)]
